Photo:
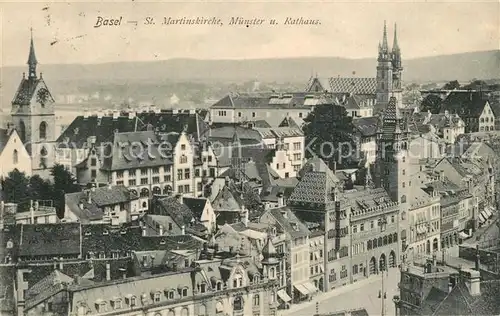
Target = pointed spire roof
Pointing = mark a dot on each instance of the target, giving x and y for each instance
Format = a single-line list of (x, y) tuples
[(392, 111), (269, 251), (385, 45), (32, 57), (395, 46)]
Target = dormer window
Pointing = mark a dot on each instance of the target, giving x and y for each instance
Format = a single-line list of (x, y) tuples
[(171, 294), (256, 278), (101, 306), (219, 286), (117, 303), (184, 292), (203, 288), (105, 232), (131, 300), (157, 297)]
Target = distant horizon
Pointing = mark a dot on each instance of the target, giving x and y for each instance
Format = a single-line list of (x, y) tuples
[(241, 59)]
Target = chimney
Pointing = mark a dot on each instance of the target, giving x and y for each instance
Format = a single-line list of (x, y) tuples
[(144, 232), (283, 212), (161, 230), (183, 230), (89, 198), (36, 205), (179, 198), (476, 261), (61, 264), (245, 217), (450, 287), (77, 279), (441, 175), (472, 279), (281, 199), (123, 272), (108, 271), (332, 165), (32, 213)]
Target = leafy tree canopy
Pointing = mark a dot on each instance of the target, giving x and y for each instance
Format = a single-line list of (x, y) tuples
[(328, 130), (431, 103), (452, 85), (15, 187)]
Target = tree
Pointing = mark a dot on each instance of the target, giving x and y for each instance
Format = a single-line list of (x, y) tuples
[(15, 187), (64, 182), (40, 189), (431, 103), (452, 85), (328, 131)]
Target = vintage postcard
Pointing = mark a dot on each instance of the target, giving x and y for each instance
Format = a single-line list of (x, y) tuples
[(249, 158)]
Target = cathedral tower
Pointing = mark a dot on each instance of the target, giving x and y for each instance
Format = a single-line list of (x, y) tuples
[(33, 115), (389, 71)]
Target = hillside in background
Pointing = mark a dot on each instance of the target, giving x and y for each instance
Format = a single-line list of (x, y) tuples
[(65, 79)]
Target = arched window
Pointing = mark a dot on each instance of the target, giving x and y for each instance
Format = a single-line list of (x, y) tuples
[(144, 192), (395, 237), (403, 200), (22, 131), (15, 157), (202, 310), (185, 312), (43, 130), (238, 303), (385, 240), (156, 190), (43, 158), (390, 239), (256, 300), (219, 286), (374, 243), (380, 241), (369, 245), (171, 312)]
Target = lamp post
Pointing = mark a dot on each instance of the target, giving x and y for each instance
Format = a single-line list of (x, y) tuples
[(397, 302), (382, 293)]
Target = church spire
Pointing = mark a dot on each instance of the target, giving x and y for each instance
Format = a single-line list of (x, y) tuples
[(395, 46), (385, 46), (32, 62)]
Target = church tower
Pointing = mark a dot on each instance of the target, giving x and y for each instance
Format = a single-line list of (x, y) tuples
[(392, 164), (384, 70), (33, 115), (389, 71)]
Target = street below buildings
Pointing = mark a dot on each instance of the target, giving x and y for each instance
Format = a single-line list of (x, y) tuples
[(362, 294)]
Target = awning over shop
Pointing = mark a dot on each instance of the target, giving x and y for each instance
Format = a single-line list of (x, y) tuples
[(485, 214), (489, 211), (310, 287), (481, 218), (302, 289), (284, 296), (463, 235)]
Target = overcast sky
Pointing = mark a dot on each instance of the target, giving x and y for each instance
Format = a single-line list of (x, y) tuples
[(346, 30)]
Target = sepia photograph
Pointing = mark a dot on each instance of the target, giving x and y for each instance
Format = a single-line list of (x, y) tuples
[(249, 158)]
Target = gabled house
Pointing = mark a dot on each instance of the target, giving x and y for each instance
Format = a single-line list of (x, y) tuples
[(111, 204), (229, 205), (447, 126), (13, 153)]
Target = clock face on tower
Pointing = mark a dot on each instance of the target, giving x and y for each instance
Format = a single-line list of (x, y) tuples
[(42, 96)]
